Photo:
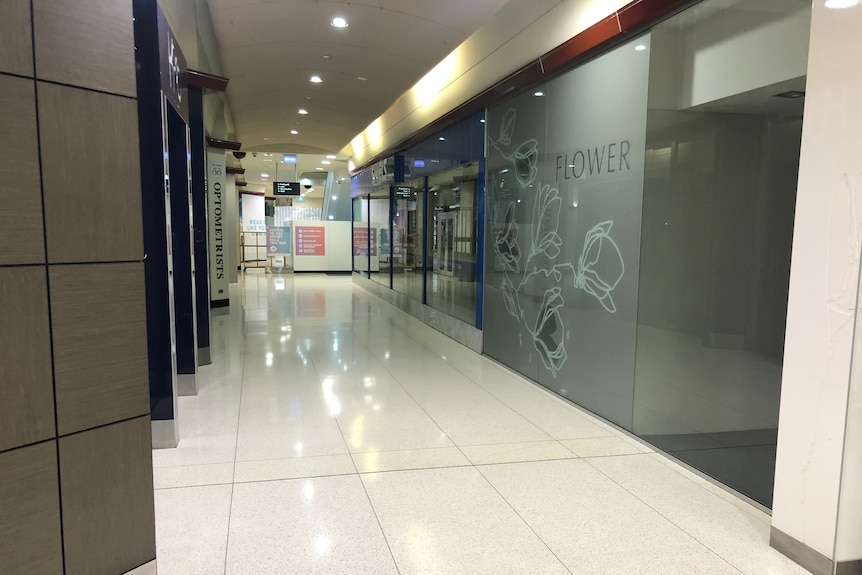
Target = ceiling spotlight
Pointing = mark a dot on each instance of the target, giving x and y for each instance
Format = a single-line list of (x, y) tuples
[(325, 162), (482, 120), (264, 175), (294, 132), (442, 139), (327, 57), (640, 47), (321, 169), (539, 93), (315, 79), (361, 78), (330, 156), (302, 111), (339, 22), (334, 198)]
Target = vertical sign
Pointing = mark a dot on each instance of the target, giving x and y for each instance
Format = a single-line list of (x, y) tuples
[(218, 247), (310, 241)]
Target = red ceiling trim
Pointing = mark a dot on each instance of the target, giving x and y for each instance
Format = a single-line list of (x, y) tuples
[(223, 144), (204, 81), (633, 18)]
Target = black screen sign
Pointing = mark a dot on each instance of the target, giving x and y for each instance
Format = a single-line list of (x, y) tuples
[(286, 188)]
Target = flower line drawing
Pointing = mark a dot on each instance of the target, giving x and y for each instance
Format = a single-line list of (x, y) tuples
[(599, 270)]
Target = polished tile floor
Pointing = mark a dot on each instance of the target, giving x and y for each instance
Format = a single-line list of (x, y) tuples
[(334, 434)]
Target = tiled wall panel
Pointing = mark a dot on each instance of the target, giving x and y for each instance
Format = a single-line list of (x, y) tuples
[(100, 344), (21, 235), (107, 487), (16, 47), (30, 517), (90, 152), (26, 389), (87, 43)]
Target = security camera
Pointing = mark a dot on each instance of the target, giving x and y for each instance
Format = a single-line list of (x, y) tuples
[(239, 155), (307, 186), (254, 154)]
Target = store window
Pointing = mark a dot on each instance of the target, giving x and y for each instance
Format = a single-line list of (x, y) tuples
[(379, 233), (639, 226), (407, 238), (452, 232)]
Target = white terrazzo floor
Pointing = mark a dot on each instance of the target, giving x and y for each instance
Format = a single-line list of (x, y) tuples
[(334, 434)]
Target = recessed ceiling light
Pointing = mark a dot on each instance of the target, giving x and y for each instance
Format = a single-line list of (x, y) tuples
[(267, 139), (325, 162), (442, 139), (339, 22), (321, 169), (640, 47), (361, 78), (302, 111), (264, 175), (294, 132), (539, 93), (482, 120), (308, 97), (327, 57), (330, 156), (841, 3), (315, 79), (334, 198)]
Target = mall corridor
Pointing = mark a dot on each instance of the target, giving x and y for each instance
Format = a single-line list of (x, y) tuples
[(336, 434)]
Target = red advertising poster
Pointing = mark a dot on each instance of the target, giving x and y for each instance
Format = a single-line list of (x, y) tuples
[(310, 241), (360, 241)]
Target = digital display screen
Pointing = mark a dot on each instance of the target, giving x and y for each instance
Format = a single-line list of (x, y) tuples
[(286, 188)]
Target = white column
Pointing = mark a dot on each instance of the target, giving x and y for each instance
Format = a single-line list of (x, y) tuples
[(819, 439), (217, 203)]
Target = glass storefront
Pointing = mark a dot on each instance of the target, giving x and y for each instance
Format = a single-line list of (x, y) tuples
[(639, 223), (407, 238), (379, 220), (452, 202)]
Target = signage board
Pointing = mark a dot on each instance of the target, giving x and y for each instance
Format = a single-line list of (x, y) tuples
[(278, 240), (310, 241), (286, 188)]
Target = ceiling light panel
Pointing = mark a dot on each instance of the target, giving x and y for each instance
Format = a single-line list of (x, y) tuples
[(339, 22)]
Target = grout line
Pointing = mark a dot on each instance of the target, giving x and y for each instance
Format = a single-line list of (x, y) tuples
[(244, 355), (84, 88), (356, 469), (666, 518), (521, 517), (48, 288)]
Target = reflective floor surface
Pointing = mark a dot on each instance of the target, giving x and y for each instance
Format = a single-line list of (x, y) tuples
[(334, 434)]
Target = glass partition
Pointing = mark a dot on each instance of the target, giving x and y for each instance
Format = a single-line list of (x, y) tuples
[(379, 236), (639, 227), (452, 229), (360, 235), (407, 238), (723, 148)]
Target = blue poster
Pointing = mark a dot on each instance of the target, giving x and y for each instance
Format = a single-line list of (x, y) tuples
[(278, 240)]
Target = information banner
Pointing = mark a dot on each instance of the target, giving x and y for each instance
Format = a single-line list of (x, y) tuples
[(217, 218), (360, 241), (310, 241), (278, 240)]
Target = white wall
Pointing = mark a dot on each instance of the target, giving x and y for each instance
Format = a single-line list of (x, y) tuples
[(338, 248), (823, 305)]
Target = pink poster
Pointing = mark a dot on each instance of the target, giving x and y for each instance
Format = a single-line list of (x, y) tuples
[(310, 241)]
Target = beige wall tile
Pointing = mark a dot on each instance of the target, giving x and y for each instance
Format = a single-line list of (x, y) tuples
[(107, 487), (30, 518), (16, 44), (90, 153), (26, 387), (100, 344), (21, 233), (88, 43)]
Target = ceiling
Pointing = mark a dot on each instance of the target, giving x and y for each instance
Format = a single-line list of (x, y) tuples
[(270, 48)]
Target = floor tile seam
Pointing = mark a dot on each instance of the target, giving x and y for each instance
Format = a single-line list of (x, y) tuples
[(192, 465), (244, 356), (666, 518), (523, 520), (367, 495)]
